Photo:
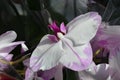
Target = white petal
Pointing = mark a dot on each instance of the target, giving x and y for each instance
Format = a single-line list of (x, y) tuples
[(76, 58), (99, 72), (7, 48), (8, 37), (46, 55), (83, 28), (23, 48)]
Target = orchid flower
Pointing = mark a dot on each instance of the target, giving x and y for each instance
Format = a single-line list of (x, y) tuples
[(68, 46), (7, 44), (108, 37)]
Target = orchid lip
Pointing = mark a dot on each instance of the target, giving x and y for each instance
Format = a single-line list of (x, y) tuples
[(60, 35)]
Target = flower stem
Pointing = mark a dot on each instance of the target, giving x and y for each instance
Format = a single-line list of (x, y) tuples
[(19, 60)]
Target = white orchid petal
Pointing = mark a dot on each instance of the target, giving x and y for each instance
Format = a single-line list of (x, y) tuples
[(7, 48), (76, 58), (99, 72), (83, 28), (8, 37), (46, 55), (23, 48)]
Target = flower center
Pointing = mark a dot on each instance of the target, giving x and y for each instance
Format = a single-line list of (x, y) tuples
[(60, 35)]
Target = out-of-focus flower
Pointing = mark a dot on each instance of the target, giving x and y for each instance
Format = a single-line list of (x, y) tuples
[(69, 46), (108, 37), (7, 44), (96, 72)]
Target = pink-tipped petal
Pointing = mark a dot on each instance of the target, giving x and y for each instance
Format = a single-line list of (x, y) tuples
[(76, 57), (83, 28), (46, 55)]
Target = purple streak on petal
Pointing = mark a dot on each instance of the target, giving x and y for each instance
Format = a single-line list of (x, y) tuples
[(53, 38), (63, 28), (73, 51)]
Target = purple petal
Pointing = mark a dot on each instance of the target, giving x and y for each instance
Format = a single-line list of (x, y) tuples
[(54, 27)]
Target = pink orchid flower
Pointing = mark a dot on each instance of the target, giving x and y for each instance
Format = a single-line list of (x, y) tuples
[(68, 46)]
